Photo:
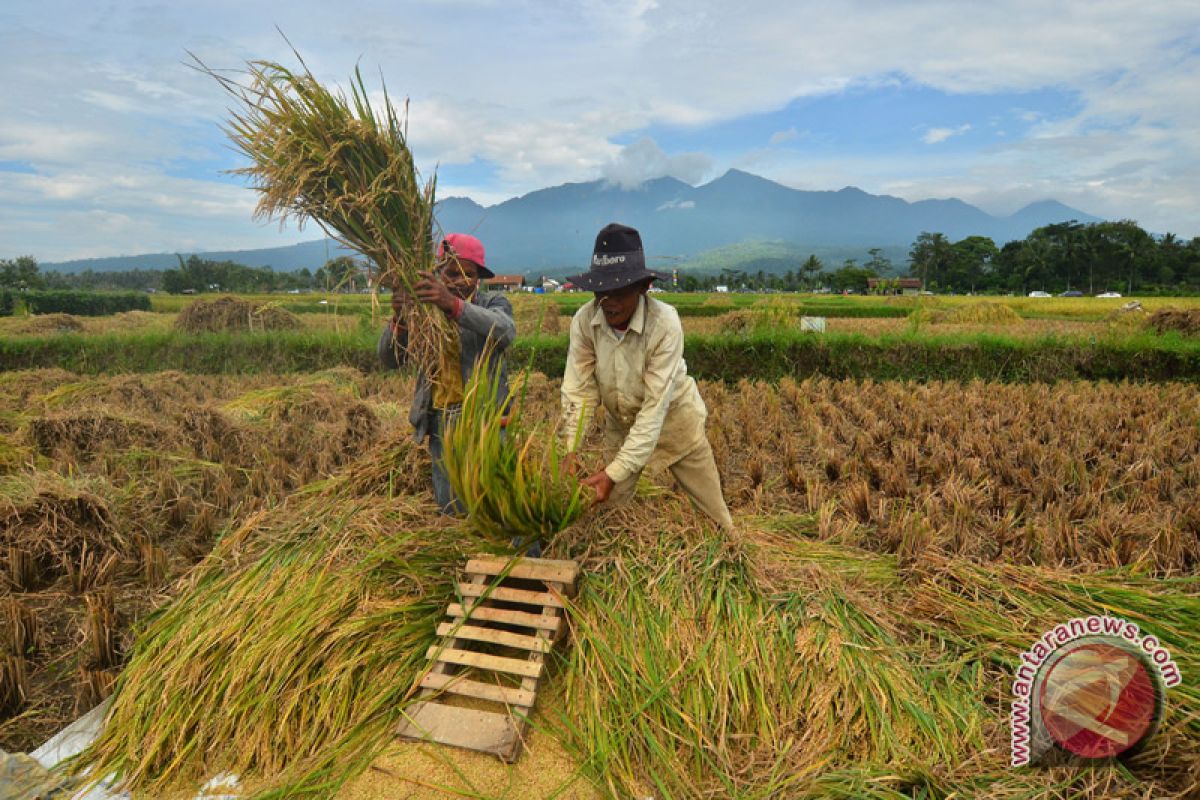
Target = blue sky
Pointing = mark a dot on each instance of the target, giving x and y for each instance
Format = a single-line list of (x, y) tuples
[(110, 144)]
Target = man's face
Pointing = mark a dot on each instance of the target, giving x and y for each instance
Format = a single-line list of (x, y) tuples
[(619, 305), (460, 276)]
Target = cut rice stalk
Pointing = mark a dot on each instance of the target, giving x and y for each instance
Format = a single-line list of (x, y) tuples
[(509, 474), (319, 155)]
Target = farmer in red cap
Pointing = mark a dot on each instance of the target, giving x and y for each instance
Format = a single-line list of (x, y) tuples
[(626, 354), (485, 320)]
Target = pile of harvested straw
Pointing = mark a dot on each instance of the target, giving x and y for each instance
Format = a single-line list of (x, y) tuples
[(46, 323), (766, 665), (233, 314), (1185, 321), (291, 651)]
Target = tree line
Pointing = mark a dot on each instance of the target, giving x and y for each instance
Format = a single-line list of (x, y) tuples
[(1092, 258), (194, 274)]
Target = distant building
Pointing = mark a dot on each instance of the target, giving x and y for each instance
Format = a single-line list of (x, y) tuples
[(504, 283), (894, 285)]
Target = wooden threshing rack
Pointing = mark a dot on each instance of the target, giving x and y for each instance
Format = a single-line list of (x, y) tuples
[(491, 654)]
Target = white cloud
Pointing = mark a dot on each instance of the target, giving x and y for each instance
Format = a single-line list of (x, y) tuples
[(644, 160), (679, 204), (935, 135), (543, 90), (782, 137)]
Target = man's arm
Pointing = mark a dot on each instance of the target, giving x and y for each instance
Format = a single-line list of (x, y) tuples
[(662, 365), (494, 321), (580, 394)]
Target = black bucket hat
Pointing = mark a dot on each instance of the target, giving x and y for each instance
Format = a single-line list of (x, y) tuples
[(617, 261)]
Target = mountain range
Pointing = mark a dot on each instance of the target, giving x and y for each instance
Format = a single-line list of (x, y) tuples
[(552, 230)]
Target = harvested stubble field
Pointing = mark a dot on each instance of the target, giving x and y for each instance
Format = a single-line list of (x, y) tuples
[(874, 327), (112, 487), (899, 544)]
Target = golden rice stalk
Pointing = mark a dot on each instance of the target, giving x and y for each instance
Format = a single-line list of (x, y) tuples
[(20, 629), (319, 155), (100, 631), (510, 476), (14, 684)]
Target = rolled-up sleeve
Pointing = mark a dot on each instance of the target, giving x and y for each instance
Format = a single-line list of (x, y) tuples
[(580, 392), (494, 322), (663, 362)]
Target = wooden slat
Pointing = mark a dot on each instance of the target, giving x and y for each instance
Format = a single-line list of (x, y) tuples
[(509, 695), (543, 569), (518, 618), (507, 595), (538, 657), (440, 668), (469, 728), (514, 666), (494, 636)]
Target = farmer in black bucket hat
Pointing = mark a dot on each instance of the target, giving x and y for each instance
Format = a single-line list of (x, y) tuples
[(626, 354)]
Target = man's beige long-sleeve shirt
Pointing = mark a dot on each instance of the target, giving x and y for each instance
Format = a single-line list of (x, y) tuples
[(651, 404)]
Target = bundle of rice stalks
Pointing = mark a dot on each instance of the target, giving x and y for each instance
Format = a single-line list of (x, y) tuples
[(1130, 318), (231, 314), (509, 474), (289, 655), (1185, 321), (318, 155), (984, 313)]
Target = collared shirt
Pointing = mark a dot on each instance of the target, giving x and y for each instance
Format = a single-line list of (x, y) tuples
[(640, 378), (484, 322)]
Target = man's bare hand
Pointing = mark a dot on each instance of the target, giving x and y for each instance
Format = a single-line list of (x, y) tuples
[(431, 290), (571, 463), (602, 484)]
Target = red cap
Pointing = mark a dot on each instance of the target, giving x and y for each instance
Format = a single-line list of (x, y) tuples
[(466, 247)]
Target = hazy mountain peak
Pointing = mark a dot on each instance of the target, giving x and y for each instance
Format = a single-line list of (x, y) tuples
[(555, 227)]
